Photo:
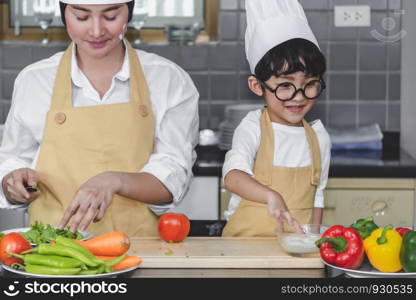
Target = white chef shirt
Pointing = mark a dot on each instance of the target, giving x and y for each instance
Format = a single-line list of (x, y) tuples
[(174, 101), (291, 149)]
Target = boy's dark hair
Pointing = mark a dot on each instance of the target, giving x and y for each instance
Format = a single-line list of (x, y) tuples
[(63, 6), (290, 57)]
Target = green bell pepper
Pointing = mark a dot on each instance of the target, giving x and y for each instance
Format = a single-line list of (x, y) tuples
[(365, 226), (408, 252)]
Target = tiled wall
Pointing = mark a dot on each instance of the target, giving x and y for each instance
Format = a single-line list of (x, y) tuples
[(363, 77)]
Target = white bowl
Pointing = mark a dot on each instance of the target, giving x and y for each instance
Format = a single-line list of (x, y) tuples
[(301, 243)]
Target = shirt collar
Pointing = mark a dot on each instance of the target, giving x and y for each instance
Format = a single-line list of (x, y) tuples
[(78, 77)]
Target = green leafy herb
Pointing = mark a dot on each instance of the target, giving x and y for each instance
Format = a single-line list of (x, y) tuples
[(40, 233), (1, 235)]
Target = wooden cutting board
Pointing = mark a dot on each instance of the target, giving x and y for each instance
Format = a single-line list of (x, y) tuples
[(213, 252)]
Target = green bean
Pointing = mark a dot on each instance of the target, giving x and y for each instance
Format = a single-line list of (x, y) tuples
[(35, 269), (60, 250), (50, 260)]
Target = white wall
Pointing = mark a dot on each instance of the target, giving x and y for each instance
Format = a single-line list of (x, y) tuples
[(408, 106)]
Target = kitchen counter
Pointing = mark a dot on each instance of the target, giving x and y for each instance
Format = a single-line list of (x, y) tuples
[(392, 162), (213, 257)]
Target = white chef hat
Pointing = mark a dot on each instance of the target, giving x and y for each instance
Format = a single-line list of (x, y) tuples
[(64, 3), (271, 23), (86, 2)]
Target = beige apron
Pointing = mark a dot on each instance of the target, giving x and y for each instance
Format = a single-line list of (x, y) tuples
[(80, 143), (297, 185)]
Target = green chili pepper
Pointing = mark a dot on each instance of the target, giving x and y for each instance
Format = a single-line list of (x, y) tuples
[(89, 272), (114, 261), (93, 271), (31, 250), (35, 269), (107, 269), (50, 260), (60, 250), (64, 241)]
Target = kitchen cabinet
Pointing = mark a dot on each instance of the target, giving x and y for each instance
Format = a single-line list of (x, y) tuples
[(202, 200), (13, 218), (389, 200)]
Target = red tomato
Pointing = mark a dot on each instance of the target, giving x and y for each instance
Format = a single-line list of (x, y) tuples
[(14, 243), (173, 227)]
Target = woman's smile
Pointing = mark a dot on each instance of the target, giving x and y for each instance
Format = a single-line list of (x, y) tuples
[(98, 44)]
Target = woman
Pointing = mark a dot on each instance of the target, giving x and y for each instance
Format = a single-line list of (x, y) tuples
[(105, 131)]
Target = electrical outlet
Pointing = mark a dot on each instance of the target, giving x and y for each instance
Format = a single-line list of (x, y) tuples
[(352, 16)]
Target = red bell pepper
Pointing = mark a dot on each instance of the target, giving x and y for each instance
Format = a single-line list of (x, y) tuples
[(341, 246), (402, 230)]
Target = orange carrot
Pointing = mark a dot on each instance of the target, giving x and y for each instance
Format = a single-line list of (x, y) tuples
[(127, 262), (109, 244)]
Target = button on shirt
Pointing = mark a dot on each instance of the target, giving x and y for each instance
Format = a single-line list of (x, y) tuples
[(291, 149), (174, 101)]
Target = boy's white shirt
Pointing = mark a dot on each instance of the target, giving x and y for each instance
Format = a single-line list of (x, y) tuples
[(291, 150)]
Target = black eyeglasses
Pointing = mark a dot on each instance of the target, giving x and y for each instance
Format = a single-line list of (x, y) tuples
[(287, 91)]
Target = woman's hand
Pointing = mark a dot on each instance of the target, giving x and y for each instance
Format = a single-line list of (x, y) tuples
[(91, 201), (14, 186), (277, 208)]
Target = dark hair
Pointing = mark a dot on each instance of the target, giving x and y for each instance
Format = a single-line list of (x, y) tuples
[(290, 57), (130, 5)]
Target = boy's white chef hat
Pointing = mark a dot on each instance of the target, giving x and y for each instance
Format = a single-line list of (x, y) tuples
[(86, 2), (271, 23)]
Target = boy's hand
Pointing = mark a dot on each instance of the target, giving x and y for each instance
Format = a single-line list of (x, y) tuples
[(286, 217), (277, 208)]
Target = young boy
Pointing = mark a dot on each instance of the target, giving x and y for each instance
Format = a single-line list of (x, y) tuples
[(278, 166)]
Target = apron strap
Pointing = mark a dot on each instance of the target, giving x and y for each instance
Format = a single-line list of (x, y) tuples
[(139, 90), (315, 153), (63, 85), (265, 154)]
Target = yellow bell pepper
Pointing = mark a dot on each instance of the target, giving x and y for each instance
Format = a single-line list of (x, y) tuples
[(383, 249)]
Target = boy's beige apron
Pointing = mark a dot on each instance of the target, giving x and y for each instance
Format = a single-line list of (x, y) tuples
[(296, 185), (80, 143)]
